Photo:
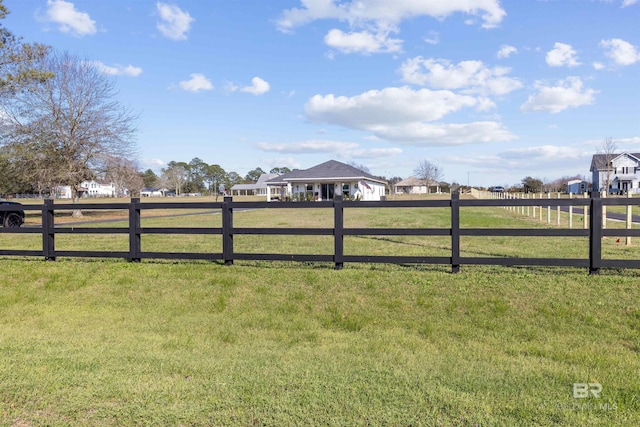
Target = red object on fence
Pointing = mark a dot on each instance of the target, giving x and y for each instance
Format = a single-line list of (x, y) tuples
[(364, 183)]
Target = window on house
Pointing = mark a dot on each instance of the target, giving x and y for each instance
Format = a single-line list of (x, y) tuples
[(345, 190)]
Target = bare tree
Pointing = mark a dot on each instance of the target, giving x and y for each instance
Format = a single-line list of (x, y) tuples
[(175, 175), (124, 174), (359, 166), (428, 172), (608, 151), (74, 115)]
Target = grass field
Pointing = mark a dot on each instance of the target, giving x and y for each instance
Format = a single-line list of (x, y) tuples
[(106, 342)]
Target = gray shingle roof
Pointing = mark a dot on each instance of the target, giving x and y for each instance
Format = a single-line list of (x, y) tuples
[(262, 182), (410, 182), (599, 161), (327, 170)]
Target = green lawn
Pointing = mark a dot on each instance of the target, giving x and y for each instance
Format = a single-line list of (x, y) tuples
[(106, 342)]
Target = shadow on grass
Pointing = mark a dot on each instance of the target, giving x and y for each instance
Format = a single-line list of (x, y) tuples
[(328, 266)]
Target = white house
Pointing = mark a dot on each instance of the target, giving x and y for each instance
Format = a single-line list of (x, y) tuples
[(98, 189), (258, 189), (153, 192), (88, 189), (413, 185), (324, 181), (623, 171)]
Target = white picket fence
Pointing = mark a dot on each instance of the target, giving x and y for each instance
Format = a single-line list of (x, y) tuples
[(546, 211)]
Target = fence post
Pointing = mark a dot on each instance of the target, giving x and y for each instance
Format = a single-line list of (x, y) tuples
[(135, 241), (227, 231), (585, 214), (570, 212), (540, 207), (604, 211), (455, 232), (629, 219), (595, 234), (48, 231), (338, 232)]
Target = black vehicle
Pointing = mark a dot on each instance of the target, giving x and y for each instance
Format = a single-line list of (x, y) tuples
[(13, 217)]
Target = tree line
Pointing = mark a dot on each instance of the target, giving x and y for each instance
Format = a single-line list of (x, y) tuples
[(197, 176)]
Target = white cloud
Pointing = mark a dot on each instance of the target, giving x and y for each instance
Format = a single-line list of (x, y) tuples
[(626, 3), (69, 19), (334, 148), (258, 87), (174, 23), (386, 14), (288, 162), (622, 52), (445, 134), (598, 65), (231, 87), (401, 114), (197, 83), (313, 146), (388, 106), (118, 70), (375, 153), (506, 51), (154, 163), (531, 159), (362, 42), (545, 153), (567, 93), (562, 55), (433, 38), (471, 77)]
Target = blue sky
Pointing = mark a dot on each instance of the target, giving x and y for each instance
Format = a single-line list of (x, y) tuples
[(491, 91)]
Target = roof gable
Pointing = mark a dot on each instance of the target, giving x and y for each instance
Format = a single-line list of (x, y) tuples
[(599, 161), (327, 170), (266, 177), (412, 181)]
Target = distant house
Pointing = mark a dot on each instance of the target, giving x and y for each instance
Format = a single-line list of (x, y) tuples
[(577, 186), (622, 169), (413, 185), (88, 189), (324, 181), (98, 189), (154, 192), (257, 189)]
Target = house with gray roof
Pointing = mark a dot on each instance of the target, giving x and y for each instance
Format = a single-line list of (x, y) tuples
[(413, 185), (324, 181), (620, 171), (258, 188)]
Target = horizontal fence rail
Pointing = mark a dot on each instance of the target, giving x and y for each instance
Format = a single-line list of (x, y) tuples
[(49, 229)]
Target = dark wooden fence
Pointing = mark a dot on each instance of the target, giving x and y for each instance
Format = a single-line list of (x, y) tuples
[(49, 230)]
